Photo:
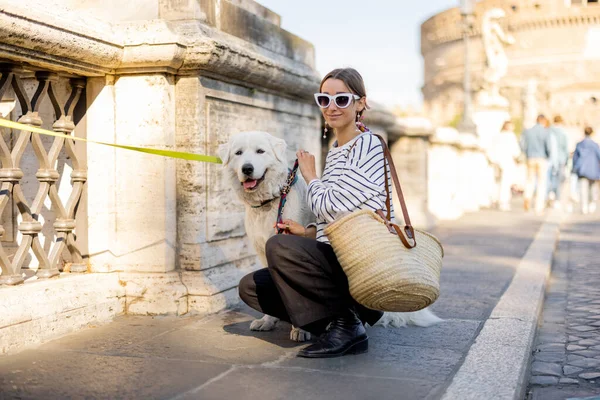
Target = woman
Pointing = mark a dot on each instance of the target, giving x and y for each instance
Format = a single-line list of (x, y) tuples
[(586, 164), (304, 283)]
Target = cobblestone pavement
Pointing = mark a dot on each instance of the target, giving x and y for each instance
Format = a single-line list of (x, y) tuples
[(218, 357), (566, 360)]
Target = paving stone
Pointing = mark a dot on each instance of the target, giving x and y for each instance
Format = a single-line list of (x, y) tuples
[(569, 370), (544, 380), (33, 376), (595, 323), (547, 338), (552, 347), (568, 381), (583, 328), (587, 342), (268, 383), (573, 357), (590, 375), (574, 338), (545, 368), (585, 362), (556, 319), (550, 356), (597, 347), (587, 353), (587, 335), (550, 328), (573, 347)]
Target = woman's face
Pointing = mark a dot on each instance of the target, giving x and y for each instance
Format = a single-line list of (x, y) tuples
[(339, 117)]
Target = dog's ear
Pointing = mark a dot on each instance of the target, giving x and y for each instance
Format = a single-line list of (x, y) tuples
[(279, 148), (223, 152)]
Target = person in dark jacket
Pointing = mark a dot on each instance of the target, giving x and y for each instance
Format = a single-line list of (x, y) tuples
[(586, 164)]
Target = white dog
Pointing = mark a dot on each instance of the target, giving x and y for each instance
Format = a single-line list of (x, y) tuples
[(257, 169)]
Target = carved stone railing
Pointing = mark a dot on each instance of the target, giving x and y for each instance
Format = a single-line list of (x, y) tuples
[(61, 230)]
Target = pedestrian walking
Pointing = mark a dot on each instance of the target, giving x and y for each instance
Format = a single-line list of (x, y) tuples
[(559, 156), (586, 164), (504, 152), (535, 143)]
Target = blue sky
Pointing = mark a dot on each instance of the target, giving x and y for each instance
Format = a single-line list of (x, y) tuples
[(380, 38)]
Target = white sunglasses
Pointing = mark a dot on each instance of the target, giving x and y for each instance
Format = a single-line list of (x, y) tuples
[(342, 100)]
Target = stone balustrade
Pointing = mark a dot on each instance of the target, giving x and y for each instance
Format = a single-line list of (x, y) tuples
[(48, 224)]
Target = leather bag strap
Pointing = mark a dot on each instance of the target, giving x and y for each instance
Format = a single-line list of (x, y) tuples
[(408, 229)]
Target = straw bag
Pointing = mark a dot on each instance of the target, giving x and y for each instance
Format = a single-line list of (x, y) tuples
[(385, 271)]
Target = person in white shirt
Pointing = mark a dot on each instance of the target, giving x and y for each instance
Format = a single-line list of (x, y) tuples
[(304, 283)]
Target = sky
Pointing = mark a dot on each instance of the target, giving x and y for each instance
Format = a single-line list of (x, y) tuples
[(380, 38)]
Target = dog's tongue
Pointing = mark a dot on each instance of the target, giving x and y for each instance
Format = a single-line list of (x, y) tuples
[(250, 183)]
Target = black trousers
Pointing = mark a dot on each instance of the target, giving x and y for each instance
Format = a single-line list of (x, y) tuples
[(304, 284)]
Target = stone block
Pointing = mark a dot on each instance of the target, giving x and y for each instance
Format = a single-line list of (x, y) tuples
[(43, 310), (203, 256), (543, 380), (101, 376), (568, 381), (570, 370), (213, 303), (218, 279), (154, 293), (585, 363), (590, 375), (266, 383), (544, 368), (550, 356)]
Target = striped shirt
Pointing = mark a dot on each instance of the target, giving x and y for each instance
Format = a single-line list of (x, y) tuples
[(352, 180)]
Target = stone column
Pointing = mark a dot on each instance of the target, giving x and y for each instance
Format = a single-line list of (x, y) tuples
[(132, 203), (470, 181), (443, 175), (410, 145)]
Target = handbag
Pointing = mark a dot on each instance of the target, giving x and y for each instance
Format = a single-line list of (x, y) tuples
[(388, 268)]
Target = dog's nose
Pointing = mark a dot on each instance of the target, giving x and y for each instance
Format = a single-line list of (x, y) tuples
[(247, 169)]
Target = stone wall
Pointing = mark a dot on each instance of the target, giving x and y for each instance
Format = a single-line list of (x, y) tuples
[(166, 74)]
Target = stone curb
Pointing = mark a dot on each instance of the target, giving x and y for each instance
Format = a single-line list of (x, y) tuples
[(497, 364)]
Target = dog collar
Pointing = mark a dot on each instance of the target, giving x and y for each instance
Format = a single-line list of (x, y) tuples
[(264, 203)]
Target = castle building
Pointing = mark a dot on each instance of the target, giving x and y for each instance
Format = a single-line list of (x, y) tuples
[(552, 61)]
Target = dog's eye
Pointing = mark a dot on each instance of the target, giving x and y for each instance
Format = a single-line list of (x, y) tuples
[(260, 151), (238, 153)]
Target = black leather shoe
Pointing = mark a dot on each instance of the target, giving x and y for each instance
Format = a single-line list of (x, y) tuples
[(346, 335)]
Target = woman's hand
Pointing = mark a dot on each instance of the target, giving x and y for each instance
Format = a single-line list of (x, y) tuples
[(291, 228), (306, 162)]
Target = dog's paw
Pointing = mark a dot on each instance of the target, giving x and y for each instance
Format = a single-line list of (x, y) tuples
[(394, 320), (299, 335), (266, 323)]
